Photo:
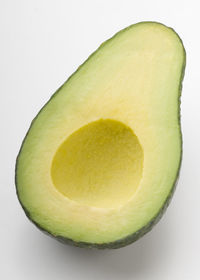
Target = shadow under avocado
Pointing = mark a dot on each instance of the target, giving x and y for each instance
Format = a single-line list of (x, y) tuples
[(134, 260)]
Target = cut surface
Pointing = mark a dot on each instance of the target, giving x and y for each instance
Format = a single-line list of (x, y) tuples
[(99, 165), (102, 156)]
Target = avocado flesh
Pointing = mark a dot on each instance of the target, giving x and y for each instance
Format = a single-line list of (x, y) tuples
[(99, 163)]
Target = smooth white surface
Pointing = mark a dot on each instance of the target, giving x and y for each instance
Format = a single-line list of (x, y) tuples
[(41, 44)]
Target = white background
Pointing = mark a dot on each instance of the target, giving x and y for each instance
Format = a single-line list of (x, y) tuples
[(41, 44)]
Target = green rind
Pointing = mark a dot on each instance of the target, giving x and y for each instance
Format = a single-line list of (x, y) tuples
[(145, 229)]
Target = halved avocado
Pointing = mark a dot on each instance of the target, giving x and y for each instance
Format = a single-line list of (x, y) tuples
[(99, 163)]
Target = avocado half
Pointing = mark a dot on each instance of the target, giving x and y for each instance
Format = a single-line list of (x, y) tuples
[(100, 161)]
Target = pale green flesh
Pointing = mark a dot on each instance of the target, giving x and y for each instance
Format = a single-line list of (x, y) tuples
[(131, 85)]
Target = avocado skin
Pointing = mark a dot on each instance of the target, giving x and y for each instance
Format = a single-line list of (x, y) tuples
[(145, 229)]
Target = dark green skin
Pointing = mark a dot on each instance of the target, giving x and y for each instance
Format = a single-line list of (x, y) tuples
[(142, 231)]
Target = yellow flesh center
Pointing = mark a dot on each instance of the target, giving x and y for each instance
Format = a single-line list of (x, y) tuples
[(99, 165)]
